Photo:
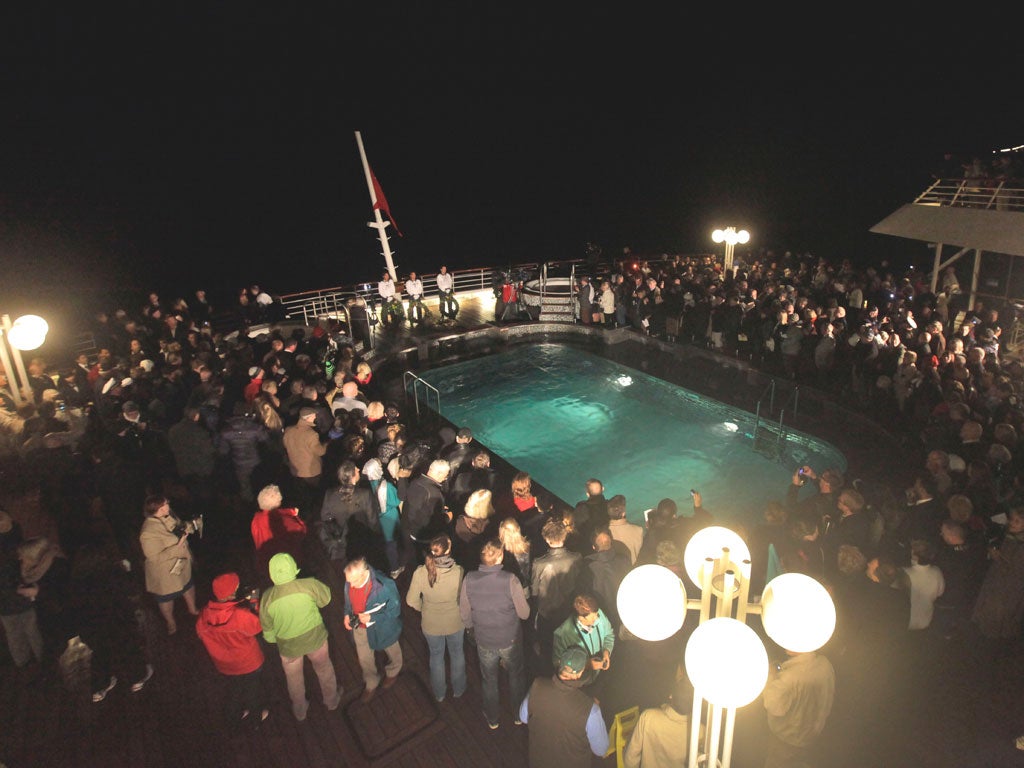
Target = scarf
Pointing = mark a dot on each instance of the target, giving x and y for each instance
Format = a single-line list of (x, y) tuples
[(444, 562), (524, 504)]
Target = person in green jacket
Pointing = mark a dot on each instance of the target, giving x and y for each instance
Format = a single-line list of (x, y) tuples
[(589, 629), (290, 615)]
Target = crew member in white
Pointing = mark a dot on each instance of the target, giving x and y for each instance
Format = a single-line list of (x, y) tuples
[(386, 288), (445, 287), (414, 287), (445, 282)]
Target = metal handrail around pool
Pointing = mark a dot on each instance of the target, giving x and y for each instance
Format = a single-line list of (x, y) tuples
[(416, 394)]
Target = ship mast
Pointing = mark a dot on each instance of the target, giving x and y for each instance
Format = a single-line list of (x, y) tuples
[(378, 223)]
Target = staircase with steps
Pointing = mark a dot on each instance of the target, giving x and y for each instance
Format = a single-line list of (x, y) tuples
[(769, 440), (557, 308)]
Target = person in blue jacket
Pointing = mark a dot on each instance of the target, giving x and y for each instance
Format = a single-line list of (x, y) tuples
[(373, 613)]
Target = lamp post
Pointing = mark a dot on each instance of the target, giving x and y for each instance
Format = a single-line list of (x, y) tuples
[(725, 659), (26, 333), (730, 236)]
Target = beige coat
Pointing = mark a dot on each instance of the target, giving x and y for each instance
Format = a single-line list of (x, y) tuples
[(302, 443), (439, 604), (160, 547)]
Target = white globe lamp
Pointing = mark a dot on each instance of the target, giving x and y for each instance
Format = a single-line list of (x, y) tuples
[(28, 332), (726, 662), (797, 612), (709, 542), (652, 602)]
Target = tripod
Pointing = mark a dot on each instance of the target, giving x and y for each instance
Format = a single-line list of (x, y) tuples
[(1015, 338)]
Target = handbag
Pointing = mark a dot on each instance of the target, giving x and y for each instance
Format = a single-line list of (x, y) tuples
[(75, 663), (334, 538)]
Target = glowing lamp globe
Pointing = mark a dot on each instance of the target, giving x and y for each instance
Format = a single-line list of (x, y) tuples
[(726, 662), (652, 602), (708, 542), (718, 235), (797, 612), (742, 236), (28, 332)]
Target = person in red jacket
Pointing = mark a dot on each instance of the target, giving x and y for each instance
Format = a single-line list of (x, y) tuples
[(252, 389), (276, 529), (229, 628)]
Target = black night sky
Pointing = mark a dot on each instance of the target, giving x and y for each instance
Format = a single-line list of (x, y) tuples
[(214, 147)]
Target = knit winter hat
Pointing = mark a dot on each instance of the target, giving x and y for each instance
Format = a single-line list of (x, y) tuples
[(478, 505), (225, 586)]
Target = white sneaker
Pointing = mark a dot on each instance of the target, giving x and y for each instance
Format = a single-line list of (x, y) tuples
[(136, 687), (100, 695)]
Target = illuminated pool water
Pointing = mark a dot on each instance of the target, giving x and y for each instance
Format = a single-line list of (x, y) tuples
[(565, 415)]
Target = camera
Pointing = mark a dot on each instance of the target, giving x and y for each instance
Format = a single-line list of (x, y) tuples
[(188, 527), (252, 596)]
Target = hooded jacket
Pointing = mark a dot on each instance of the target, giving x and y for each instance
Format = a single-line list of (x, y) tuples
[(387, 619), (290, 610), (229, 631)]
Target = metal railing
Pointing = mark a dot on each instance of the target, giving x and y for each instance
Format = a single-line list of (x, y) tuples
[(427, 387), (985, 194), (310, 305), (780, 427)]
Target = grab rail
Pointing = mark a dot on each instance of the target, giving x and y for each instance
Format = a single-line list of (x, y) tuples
[(416, 394), (780, 434), (1000, 195)]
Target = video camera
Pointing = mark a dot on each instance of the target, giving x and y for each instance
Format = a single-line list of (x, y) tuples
[(188, 527)]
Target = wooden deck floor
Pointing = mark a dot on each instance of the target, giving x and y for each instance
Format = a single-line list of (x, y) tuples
[(177, 720)]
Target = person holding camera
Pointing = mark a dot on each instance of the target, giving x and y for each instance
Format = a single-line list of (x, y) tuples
[(820, 502), (229, 628), (373, 614), (168, 559), (590, 629)]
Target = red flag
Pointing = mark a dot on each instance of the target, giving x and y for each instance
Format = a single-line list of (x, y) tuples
[(382, 202)]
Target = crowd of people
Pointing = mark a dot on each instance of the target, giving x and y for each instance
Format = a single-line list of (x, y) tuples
[(174, 437)]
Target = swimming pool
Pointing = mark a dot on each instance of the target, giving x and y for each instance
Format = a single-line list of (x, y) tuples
[(565, 415)]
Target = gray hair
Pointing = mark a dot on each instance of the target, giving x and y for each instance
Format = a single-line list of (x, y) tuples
[(270, 497), (439, 469)]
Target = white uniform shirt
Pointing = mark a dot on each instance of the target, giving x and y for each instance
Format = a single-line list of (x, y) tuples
[(414, 288), (445, 282), (386, 289)]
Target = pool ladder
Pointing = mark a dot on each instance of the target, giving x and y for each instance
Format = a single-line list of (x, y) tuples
[(770, 437), (427, 389)]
